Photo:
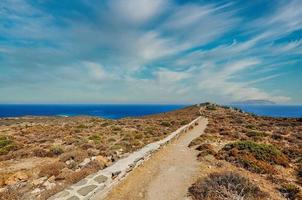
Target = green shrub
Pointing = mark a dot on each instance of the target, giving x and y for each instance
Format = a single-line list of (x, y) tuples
[(56, 150), (6, 144), (184, 122), (95, 138), (290, 191), (81, 126), (254, 133), (167, 124), (265, 152)]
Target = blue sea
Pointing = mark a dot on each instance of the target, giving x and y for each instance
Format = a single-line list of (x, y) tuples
[(120, 111), (292, 111), (104, 111)]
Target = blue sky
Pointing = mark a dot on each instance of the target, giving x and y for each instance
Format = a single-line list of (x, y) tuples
[(150, 51)]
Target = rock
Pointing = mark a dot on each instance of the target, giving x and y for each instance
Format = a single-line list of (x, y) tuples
[(64, 173), (49, 185), (39, 181), (102, 161), (85, 162), (52, 179), (93, 152), (71, 163), (10, 181), (115, 174), (36, 191), (21, 176)]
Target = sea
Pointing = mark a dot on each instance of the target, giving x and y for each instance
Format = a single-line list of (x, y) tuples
[(291, 111), (120, 111)]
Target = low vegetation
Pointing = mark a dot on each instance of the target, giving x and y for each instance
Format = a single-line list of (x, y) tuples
[(54, 152), (228, 185), (264, 149), (6, 144)]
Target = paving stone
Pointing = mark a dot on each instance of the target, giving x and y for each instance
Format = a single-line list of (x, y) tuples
[(101, 179), (86, 189), (81, 182), (73, 198), (59, 195), (91, 175)]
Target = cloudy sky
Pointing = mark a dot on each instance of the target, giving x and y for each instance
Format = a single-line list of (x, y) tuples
[(150, 51)]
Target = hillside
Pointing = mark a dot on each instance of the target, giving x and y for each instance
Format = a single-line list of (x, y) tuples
[(40, 156)]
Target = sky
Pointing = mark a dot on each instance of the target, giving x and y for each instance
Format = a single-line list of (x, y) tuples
[(150, 51)]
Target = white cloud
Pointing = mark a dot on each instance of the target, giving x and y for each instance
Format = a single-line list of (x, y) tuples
[(137, 11)]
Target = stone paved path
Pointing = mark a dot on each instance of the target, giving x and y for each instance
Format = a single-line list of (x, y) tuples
[(96, 186), (166, 175)]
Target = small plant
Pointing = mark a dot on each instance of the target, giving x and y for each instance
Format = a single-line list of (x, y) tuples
[(226, 185), (56, 150), (116, 128), (52, 169), (6, 145), (205, 149), (95, 138), (299, 173), (290, 191), (82, 126), (254, 133), (184, 122), (76, 155), (166, 124)]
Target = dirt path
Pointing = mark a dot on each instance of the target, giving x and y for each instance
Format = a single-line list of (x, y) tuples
[(166, 175)]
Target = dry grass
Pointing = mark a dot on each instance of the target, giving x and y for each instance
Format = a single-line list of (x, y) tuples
[(52, 169), (268, 149), (222, 186), (10, 194)]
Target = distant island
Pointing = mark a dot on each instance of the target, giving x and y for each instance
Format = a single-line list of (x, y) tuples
[(254, 102)]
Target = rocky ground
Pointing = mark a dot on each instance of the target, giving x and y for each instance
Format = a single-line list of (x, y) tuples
[(40, 156), (243, 156)]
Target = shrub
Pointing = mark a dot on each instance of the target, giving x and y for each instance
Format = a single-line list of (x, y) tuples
[(39, 152), (166, 124), (116, 128), (184, 122), (76, 155), (228, 185), (82, 126), (264, 152), (6, 145), (299, 173), (292, 152), (95, 138), (290, 191), (52, 169), (254, 133), (205, 149), (56, 150)]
